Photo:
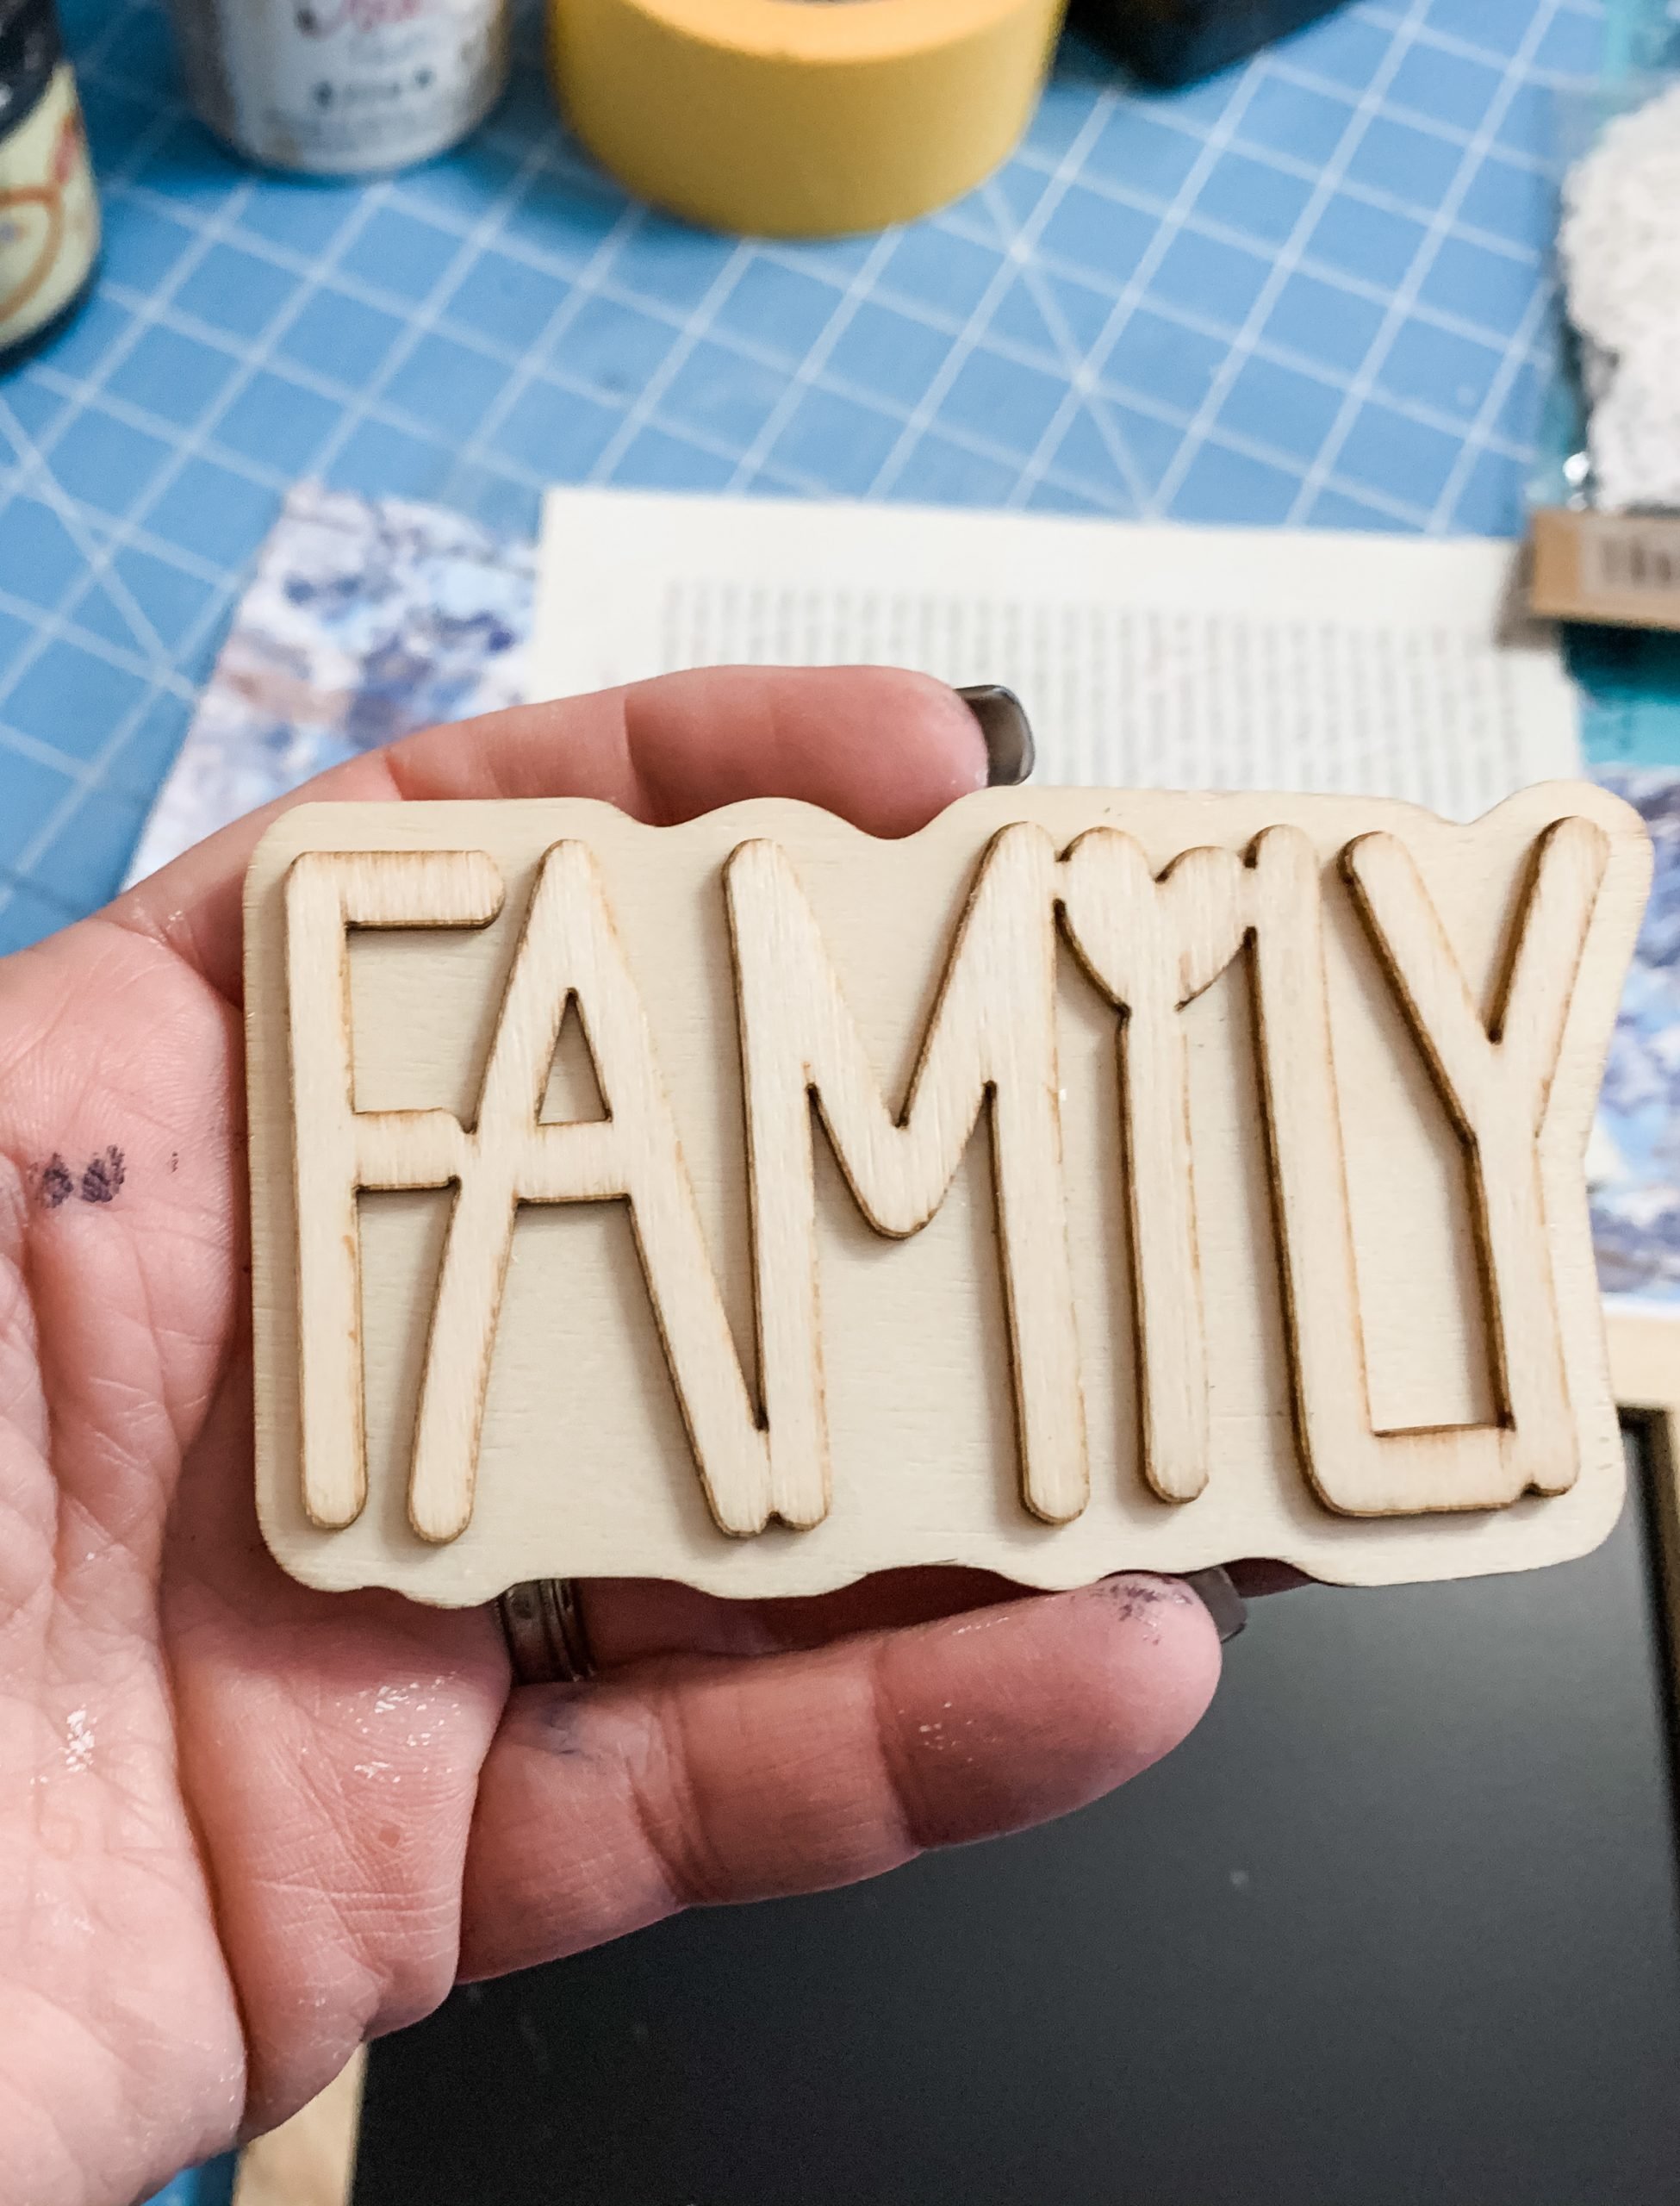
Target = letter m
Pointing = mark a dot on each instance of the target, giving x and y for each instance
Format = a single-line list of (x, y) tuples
[(991, 1040)]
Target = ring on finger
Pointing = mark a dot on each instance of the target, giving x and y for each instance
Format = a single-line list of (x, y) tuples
[(547, 1643)]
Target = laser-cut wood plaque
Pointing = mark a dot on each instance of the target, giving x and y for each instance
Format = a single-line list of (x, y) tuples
[(1092, 1181)]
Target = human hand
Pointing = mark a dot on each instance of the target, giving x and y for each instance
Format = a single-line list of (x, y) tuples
[(244, 1825)]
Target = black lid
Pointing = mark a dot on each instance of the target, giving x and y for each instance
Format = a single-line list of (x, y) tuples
[(29, 52), (1173, 42)]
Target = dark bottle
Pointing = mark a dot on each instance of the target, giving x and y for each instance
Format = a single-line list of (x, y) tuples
[(49, 210), (1170, 42)]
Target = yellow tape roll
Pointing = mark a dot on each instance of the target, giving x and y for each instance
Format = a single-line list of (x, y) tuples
[(801, 118)]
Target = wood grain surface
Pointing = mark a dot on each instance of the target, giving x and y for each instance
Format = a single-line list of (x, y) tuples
[(1092, 1180)]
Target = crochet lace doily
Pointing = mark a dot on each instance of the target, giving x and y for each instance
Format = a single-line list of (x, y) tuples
[(1619, 245)]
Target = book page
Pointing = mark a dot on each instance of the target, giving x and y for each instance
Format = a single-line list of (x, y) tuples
[(1146, 657)]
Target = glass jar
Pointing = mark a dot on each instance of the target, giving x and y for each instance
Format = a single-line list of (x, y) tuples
[(49, 210), (342, 87)]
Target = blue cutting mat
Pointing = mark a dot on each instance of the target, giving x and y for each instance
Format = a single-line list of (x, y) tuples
[(1312, 290)]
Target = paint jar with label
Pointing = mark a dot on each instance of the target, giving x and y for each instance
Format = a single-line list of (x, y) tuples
[(342, 87), (49, 210)]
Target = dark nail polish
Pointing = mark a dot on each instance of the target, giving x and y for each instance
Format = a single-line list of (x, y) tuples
[(1006, 730), (1214, 1589)]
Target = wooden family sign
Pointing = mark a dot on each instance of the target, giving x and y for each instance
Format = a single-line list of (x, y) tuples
[(1090, 1181)]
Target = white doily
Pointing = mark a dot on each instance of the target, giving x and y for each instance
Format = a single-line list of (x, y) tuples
[(1618, 244)]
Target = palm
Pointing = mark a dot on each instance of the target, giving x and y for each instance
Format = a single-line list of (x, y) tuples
[(246, 1825)]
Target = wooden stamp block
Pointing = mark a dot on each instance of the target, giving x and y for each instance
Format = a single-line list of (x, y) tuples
[(1092, 1181)]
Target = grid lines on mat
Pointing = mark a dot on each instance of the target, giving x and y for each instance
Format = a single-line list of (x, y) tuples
[(1313, 289)]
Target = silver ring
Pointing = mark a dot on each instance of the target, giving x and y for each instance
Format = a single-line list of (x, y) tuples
[(547, 1642)]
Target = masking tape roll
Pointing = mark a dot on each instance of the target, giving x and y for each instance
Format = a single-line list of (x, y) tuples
[(801, 118)]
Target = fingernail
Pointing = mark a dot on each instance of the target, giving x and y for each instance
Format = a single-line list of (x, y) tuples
[(1005, 729), (1215, 1591)]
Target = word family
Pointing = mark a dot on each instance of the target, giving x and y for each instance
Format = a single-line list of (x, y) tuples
[(1085, 1182)]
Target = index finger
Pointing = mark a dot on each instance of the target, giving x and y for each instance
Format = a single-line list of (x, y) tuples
[(883, 748)]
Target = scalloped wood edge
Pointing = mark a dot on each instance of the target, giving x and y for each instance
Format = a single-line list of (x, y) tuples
[(772, 1401)]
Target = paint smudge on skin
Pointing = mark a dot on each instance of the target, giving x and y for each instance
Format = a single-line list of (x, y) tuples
[(562, 1716), (54, 1185), (425, 1703), (77, 1741), (1136, 1598), (101, 1180)]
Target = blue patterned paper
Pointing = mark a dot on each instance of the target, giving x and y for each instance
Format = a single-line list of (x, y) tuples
[(367, 619), (1636, 1202)]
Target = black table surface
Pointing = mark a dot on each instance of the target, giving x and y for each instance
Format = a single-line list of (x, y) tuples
[(1397, 1924)]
